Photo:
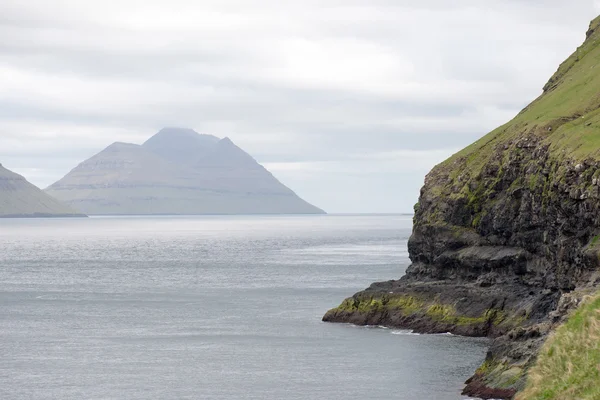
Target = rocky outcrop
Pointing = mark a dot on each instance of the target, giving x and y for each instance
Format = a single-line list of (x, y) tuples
[(506, 233)]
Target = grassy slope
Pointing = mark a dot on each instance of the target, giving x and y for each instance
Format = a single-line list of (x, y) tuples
[(568, 366), (567, 114), (567, 118)]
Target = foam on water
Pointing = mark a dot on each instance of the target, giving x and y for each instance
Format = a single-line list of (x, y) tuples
[(405, 332)]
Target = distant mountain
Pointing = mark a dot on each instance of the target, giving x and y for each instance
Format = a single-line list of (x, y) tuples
[(19, 198), (176, 171), (181, 145)]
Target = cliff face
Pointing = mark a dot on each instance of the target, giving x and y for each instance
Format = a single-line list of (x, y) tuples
[(506, 232)]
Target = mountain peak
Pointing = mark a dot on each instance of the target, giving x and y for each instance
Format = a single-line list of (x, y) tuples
[(180, 145), (121, 146), (179, 133), (175, 130), (227, 153)]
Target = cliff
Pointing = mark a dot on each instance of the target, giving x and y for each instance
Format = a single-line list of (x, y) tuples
[(21, 199), (177, 171), (506, 232)]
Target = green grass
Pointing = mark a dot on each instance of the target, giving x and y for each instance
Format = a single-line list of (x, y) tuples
[(568, 366), (436, 311), (566, 116)]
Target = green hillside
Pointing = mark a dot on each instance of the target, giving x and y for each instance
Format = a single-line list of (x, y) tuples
[(568, 366), (567, 114)]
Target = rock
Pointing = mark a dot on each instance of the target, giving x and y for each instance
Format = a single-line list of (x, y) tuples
[(504, 238)]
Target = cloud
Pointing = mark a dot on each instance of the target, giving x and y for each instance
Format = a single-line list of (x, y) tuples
[(336, 97)]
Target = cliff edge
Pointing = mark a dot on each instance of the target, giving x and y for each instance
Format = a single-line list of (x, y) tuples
[(506, 232)]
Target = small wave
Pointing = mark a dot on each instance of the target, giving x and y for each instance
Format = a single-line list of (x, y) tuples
[(405, 332), (375, 327)]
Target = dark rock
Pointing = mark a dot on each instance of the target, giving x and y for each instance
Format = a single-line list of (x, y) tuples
[(507, 266), (505, 239)]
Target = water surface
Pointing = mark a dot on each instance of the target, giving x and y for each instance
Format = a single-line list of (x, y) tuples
[(210, 308)]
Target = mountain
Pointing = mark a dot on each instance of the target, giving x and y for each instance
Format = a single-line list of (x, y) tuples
[(177, 171), (181, 145), (19, 198), (505, 241)]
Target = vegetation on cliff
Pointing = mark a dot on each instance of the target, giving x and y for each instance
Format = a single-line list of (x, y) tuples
[(568, 366), (566, 115), (505, 239)]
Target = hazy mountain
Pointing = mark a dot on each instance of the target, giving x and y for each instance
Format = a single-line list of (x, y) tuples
[(19, 198), (180, 145), (177, 171)]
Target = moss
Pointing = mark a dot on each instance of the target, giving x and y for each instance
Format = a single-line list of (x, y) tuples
[(411, 305), (458, 231), (533, 182), (501, 374), (417, 207), (510, 378), (407, 304), (440, 311), (488, 365), (477, 220)]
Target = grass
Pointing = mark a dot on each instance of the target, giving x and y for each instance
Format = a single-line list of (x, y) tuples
[(566, 115), (568, 366)]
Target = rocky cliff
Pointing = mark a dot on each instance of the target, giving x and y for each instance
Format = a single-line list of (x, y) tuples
[(506, 232), (19, 198)]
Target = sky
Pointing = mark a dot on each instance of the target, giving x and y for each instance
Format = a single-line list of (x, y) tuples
[(349, 103)]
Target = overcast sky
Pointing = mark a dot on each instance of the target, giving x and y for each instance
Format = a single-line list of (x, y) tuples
[(347, 102)]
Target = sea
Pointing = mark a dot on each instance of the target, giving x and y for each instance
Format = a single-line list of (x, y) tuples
[(214, 307)]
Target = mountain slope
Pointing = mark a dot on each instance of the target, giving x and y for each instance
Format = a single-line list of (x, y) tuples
[(505, 236), (19, 198), (177, 171)]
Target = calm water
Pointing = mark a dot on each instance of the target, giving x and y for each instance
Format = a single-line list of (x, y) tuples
[(210, 308)]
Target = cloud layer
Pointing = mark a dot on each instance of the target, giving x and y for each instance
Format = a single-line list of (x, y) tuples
[(349, 103)]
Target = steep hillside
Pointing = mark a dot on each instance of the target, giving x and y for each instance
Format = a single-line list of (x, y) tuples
[(505, 236), (568, 364), (177, 171), (19, 198)]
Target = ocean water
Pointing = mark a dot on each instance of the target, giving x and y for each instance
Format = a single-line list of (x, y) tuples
[(210, 308)]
